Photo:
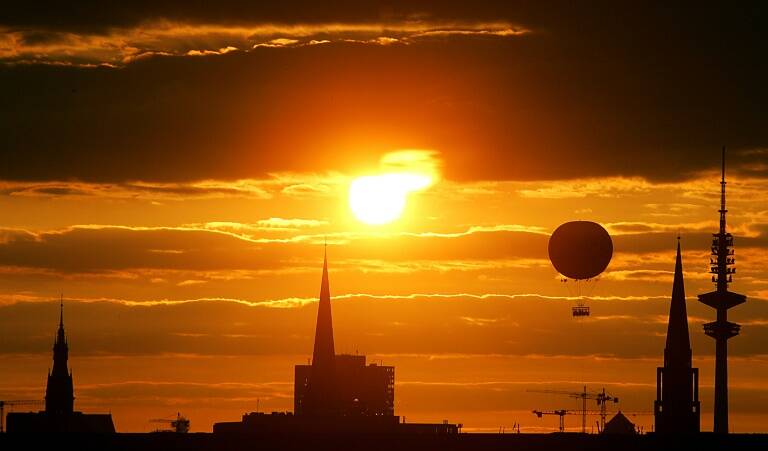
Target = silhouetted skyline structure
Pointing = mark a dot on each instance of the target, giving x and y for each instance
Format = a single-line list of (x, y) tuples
[(340, 384), (336, 393), (721, 266), (319, 394), (677, 407), (619, 425), (59, 391), (359, 389), (59, 414)]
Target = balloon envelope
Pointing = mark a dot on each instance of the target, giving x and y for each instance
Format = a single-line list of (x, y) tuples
[(580, 249)]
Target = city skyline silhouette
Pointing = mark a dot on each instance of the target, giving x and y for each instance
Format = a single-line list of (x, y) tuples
[(446, 217)]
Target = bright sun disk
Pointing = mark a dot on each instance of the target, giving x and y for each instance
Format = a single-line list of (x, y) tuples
[(381, 199)]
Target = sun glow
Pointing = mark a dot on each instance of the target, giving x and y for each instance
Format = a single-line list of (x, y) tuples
[(381, 199)]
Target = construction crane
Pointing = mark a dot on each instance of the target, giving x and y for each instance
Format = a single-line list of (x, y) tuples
[(601, 397), (15, 403), (560, 413), (179, 425)]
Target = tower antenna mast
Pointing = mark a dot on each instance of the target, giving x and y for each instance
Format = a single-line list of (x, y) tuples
[(721, 268)]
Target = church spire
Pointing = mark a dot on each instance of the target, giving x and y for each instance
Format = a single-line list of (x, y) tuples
[(678, 348), (59, 393), (60, 347), (60, 335), (676, 409), (324, 352), (321, 390)]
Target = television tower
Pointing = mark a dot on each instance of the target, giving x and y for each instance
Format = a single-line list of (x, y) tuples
[(721, 300)]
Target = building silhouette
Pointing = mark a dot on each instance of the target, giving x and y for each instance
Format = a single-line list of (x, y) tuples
[(358, 389), (318, 389), (59, 392), (340, 384), (721, 267), (619, 425), (336, 394), (677, 408), (59, 414)]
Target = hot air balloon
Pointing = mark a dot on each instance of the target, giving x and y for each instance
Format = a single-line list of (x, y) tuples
[(580, 251)]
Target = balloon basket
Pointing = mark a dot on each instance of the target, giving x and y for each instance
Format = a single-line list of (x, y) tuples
[(580, 310)]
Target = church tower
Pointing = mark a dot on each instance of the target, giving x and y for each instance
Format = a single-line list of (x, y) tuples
[(322, 396), (677, 408), (59, 393)]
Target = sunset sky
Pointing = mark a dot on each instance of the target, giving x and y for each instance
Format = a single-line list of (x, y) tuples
[(175, 171)]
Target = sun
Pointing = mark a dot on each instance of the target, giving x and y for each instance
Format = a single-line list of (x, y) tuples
[(381, 199)]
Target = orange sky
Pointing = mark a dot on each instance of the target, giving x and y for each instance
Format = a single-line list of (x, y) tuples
[(176, 173), (202, 303)]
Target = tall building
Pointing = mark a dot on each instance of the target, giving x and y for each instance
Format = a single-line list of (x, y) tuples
[(336, 394), (59, 414), (721, 267), (367, 390), (59, 392), (319, 395), (340, 384), (676, 409)]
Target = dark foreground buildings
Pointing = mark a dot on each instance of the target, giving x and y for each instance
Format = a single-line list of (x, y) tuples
[(361, 389), (676, 409), (59, 414), (619, 425), (336, 393), (721, 267)]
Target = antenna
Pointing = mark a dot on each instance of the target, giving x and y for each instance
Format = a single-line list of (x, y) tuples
[(723, 211), (61, 309), (723, 163)]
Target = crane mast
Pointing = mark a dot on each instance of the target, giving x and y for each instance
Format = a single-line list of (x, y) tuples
[(600, 397)]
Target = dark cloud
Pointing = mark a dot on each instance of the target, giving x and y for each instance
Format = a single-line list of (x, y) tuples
[(379, 325), (122, 248), (621, 90), (93, 249), (94, 16), (40, 37), (650, 242)]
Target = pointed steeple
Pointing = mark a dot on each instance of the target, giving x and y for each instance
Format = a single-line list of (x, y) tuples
[(321, 391), (676, 409), (60, 337), (60, 347), (324, 352), (678, 348), (59, 392)]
